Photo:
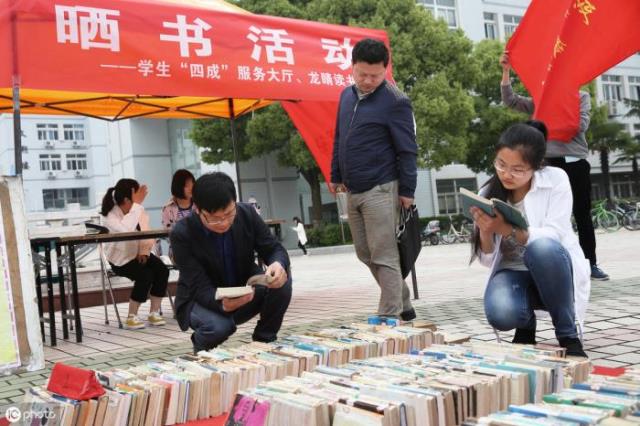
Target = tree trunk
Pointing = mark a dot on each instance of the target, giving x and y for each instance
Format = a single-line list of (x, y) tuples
[(636, 176), (312, 176), (606, 177)]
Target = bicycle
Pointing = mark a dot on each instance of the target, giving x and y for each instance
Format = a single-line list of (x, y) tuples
[(631, 219), (603, 218), (454, 235)]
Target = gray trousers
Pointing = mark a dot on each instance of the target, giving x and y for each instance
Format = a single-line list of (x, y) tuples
[(373, 216)]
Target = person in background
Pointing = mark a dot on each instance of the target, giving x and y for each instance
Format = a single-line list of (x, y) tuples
[(570, 157), (180, 205), (375, 161), (253, 202), (216, 247), (541, 267), (302, 235), (122, 211)]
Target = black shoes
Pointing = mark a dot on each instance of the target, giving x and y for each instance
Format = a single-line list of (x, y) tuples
[(573, 345), (408, 315), (524, 336)]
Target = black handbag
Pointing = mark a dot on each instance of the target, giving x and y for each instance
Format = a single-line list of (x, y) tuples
[(408, 236)]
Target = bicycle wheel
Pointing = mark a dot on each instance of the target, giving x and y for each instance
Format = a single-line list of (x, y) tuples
[(608, 221), (631, 221), (449, 238)]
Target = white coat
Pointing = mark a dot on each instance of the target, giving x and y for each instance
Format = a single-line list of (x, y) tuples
[(548, 206), (302, 235)]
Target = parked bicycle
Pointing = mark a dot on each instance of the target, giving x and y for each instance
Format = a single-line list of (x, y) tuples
[(603, 218), (454, 235), (631, 219)]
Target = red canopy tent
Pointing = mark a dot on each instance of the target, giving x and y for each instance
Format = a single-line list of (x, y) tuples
[(143, 58)]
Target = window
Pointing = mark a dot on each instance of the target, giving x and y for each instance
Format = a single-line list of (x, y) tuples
[(447, 189), (50, 162), (634, 88), (443, 9), (490, 26), (73, 132), (510, 24), (47, 132), (612, 87), (623, 185), (76, 161), (59, 198)]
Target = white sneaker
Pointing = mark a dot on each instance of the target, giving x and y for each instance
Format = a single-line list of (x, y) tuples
[(156, 319), (133, 323)]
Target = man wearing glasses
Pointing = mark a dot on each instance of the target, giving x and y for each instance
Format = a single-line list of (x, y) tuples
[(216, 247)]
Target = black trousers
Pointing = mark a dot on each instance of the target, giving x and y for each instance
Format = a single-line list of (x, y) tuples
[(302, 247), (579, 173), (149, 278)]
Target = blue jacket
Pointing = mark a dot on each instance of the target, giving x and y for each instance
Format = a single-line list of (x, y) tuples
[(375, 141)]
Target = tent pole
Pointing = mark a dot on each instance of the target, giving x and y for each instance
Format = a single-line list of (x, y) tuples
[(234, 141), (17, 131)]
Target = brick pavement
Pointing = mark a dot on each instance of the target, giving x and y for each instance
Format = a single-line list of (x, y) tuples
[(451, 297)]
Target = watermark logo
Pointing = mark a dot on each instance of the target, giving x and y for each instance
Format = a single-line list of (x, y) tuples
[(13, 414)]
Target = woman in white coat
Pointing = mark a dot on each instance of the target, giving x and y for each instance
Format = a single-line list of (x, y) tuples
[(543, 266), (302, 234)]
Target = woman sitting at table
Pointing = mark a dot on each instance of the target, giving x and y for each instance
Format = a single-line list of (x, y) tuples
[(180, 205), (123, 212)]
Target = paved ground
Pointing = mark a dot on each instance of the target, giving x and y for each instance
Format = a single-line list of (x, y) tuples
[(333, 289)]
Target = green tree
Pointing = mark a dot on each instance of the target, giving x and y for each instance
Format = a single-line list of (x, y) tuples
[(492, 118), (606, 136)]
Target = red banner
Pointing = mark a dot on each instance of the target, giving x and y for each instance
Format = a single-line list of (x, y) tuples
[(562, 44), (173, 50)]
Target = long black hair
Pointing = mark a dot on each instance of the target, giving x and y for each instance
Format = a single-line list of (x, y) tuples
[(117, 194), (528, 138), (179, 180)]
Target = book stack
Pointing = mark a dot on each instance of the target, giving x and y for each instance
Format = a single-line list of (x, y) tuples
[(602, 400), (203, 386), (442, 385)]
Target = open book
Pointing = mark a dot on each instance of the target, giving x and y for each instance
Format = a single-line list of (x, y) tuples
[(511, 214), (231, 292)]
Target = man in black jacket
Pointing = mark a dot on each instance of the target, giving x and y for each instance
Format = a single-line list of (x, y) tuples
[(374, 160), (216, 247)]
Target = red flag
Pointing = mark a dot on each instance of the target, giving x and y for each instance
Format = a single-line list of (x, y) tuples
[(562, 44)]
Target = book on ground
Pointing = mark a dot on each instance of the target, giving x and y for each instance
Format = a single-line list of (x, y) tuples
[(511, 214)]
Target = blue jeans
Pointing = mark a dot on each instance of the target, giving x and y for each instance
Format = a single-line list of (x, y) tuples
[(212, 328), (511, 296)]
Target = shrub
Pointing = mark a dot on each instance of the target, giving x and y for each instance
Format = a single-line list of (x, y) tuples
[(328, 235)]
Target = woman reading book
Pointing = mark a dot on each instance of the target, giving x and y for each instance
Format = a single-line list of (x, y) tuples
[(541, 267)]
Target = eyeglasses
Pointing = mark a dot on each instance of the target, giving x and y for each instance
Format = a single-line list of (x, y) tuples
[(220, 219), (502, 168)]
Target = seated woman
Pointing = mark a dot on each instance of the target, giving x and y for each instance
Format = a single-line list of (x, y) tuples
[(123, 212), (180, 205), (542, 267)]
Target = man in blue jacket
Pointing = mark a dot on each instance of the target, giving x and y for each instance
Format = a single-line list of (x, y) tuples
[(374, 160), (216, 247)]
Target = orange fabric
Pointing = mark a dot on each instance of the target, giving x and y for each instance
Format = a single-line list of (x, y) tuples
[(561, 45), (171, 50), (125, 106)]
